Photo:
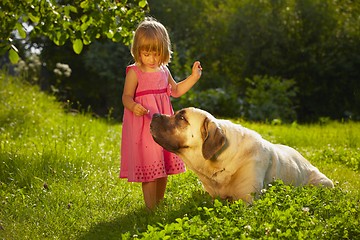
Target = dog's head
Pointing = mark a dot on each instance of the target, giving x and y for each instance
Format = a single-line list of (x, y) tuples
[(188, 131)]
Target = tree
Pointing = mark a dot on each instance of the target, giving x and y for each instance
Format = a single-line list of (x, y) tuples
[(80, 21), (314, 42)]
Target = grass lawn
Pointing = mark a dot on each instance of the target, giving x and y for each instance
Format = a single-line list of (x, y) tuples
[(59, 180)]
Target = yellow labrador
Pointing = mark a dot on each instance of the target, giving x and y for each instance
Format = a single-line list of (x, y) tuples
[(231, 161)]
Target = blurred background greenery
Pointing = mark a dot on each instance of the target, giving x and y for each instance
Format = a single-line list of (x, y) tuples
[(292, 60)]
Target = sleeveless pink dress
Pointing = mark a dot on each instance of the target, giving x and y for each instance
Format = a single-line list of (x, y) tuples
[(142, 159)]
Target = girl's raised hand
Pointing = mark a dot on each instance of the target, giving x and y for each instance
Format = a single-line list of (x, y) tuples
[(196, 69)]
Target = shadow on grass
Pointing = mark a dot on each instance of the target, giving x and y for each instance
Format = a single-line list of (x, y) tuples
[(128, 226)]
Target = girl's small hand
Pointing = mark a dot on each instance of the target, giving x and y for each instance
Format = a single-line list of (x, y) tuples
[(196, 69), (139, 110)]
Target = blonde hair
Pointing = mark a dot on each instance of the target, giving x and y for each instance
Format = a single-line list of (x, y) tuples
[(151, 35)]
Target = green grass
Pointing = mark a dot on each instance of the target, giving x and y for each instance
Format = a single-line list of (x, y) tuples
[(59, 180)]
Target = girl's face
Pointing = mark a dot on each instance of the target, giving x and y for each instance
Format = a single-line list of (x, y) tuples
[(150, 60)]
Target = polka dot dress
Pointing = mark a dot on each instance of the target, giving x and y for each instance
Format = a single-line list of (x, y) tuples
[(142, 159)]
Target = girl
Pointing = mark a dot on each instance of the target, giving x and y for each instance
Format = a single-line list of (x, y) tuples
[(148, 85)]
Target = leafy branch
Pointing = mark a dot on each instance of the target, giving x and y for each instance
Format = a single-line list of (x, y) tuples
[(80, 21)]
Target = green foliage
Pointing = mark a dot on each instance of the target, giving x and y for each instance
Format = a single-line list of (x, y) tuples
[(217, 101), (270, 98), (342, 155), (42, 138), (315, 43), (96, 79), (282, 212), (266, 99), (13, 55), (54, 166), (29, 69), (59, 180), (81, 22)]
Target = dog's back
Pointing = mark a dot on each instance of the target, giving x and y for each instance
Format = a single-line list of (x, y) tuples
[(253, 162)]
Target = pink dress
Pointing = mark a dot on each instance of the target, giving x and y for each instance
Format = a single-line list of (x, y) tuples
[(142, 159)]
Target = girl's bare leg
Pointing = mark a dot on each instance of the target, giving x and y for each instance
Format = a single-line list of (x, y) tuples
[(154, 192), (149, 192), (160, 189)]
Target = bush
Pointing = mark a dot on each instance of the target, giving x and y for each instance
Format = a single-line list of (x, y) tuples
[(269, 98), (266, 99), (218, 101)]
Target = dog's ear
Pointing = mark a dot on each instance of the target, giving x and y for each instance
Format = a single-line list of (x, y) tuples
[(213, 138)]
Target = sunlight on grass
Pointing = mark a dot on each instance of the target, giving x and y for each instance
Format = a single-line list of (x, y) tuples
[(59, 180)]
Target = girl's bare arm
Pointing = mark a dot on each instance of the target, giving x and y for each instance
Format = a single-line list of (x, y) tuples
[(128, 95), (178, 89)]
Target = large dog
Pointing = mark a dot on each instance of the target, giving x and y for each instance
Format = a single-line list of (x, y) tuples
[(231, 161)]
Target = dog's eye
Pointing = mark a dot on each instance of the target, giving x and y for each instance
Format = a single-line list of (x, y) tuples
[(182, 118)]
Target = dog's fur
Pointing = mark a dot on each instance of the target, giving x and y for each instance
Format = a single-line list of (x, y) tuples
[(231, 161)]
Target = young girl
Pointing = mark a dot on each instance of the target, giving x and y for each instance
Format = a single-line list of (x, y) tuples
[(147, 90)]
